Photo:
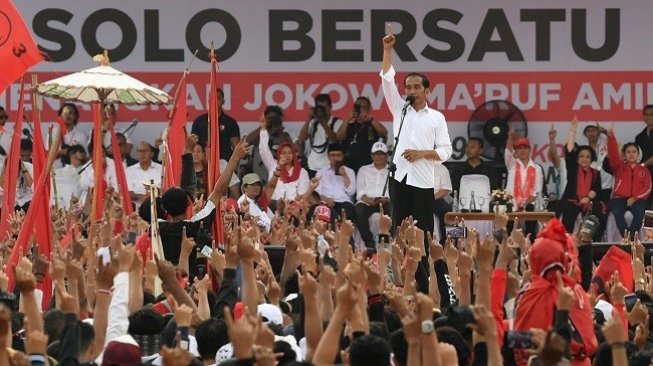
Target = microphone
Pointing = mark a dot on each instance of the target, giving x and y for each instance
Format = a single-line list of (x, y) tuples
[(409, 101), (130, 127)]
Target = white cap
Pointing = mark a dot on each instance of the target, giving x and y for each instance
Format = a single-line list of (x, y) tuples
[(271, 313), (379, 146)]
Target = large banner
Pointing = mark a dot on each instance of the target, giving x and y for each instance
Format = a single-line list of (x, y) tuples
[(553, 60)]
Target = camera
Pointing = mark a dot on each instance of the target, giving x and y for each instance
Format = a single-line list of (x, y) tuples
[(319, 112), (456, 232), (337, 167), (519, 340)]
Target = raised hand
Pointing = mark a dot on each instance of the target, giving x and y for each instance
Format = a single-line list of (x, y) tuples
[(389, 39)]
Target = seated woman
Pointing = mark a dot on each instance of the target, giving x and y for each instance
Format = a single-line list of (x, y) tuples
[(286, 174), (583, 185), (632, 184)]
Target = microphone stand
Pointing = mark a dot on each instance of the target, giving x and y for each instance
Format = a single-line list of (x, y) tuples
[(392, 167)]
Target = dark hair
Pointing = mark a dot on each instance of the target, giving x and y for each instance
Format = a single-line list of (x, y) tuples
[(87, 336), (211, 334), (365, 99), (369, 350), (289, 354), (453, 337), (588, 148), (603, 355), (399, 346), (627, 145), (477, 139), (145, 321), (648, 106), (75, 149), (323, 98), (26, 144), (334, 146), (220, 93), (273, 114), (72, 106), (425, 80), (174, 201), (145, 213), (641, 358), (53, 321)]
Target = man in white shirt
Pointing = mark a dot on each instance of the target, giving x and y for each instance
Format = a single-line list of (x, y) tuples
[(369, 191), (5, 132), (337, 184), (320, 130), (68, 179), (252, 188), (143, 172), (424, 140)]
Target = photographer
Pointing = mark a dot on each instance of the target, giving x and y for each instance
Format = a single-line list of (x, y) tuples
[(359, 134), (319, 131)]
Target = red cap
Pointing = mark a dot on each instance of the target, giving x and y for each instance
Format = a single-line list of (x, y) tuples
[(523, 141)]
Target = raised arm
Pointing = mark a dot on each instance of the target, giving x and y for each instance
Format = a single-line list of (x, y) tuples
[(264, 149), (571, 138), (553, 147), (221, 185)]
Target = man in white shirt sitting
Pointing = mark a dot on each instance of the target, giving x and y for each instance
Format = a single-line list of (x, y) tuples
[(252, 188), (68, 179), (143, 172), (337, 184), (370, 182)]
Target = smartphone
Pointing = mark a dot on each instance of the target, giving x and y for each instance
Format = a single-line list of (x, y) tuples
[(200, 271), (648, 219), (630, 300), (456, 232), (520, 340)]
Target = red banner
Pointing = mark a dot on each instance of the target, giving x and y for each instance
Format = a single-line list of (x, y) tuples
[(18, 51), (542, 96)]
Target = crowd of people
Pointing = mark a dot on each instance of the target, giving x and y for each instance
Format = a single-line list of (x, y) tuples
[(402, 293)]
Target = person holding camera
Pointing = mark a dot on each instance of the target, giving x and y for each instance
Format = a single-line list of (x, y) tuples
[(359, 134), (369, 191), (337, 184), (319, 131)]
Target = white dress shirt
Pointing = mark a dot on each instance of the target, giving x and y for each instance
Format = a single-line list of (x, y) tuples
[(136, 176), (442, 178), (68, 184), (5, 138), (319, 160), (511, 165), (262, 218), (24, 193), (290, 190), (75, 137), (425, 129), (370, 181), (607, 180), (333, 186), (87, 177)]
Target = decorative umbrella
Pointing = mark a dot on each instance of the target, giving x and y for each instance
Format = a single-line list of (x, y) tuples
[(102, 84)]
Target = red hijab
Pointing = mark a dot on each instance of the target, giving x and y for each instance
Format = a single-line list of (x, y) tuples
[(535, 307), (286, 176)]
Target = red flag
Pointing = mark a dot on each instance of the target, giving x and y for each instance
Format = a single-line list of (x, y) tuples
[(214, 145), (40, 203), (42, 218), (123, 188), (18, 51), (615, 259), (11, 170), (98, 165), (176, 138)]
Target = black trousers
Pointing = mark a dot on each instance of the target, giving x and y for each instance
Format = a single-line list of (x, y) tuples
[(441, 209), (420, 204), (363, 213), (570, 212)]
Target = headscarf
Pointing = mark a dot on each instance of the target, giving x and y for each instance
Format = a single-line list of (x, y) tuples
[(286, 176)]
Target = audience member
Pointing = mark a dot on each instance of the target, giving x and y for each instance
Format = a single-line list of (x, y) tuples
[(337, 184), (474, 165), (319, 130), (229, 130), (360, 132), (370, 183), (143, 173)]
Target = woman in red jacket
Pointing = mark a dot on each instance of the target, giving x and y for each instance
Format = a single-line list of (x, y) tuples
[(632, 185)]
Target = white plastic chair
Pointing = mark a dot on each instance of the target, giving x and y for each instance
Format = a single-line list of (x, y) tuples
[(480, 185)]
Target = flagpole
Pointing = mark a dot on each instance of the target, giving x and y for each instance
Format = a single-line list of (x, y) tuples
[(36, 109), (176, 96)]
